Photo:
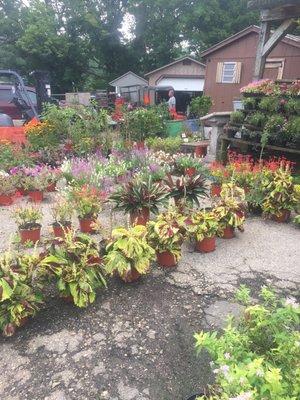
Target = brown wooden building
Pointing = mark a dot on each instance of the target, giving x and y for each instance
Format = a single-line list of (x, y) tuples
[(230, 65)]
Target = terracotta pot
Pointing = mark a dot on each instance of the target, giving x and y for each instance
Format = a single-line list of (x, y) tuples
[(166, 259), (36, 196), (140, 145), (200, 151), (283, 217), (140, 217), (67, 299), (228, 233), (23, 321), (6, 200), (51, 187), (215, 190), (86, 225), (131, 276), (191, 171), (22, 191), (61, 230), (32, 235), (206, 245)]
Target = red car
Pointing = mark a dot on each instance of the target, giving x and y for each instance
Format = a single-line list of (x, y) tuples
[(9, 108)]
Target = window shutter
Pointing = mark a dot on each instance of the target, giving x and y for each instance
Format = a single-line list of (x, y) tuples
[(237, 74), (219, 72)]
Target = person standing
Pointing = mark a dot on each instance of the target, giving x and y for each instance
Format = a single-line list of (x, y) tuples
[(172, 102)]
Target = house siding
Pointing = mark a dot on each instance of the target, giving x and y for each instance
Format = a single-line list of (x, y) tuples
[(193, 70), (244, 50)]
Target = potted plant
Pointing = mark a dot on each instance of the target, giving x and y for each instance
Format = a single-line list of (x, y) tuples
[(280, 196), (166, 235), (219, 175), (7, 189), (139, 197), (87, 204), (200, 106), (249, 103), (255, 121), (76, 264), (28, 221), (274, 130), (269, 104), (187, 190), (35, 184), (203, 228), (256, 355), (237, 118), (128, 254), (51, 176), (19, 297), (62, 212), (228, 212), (190, 166)]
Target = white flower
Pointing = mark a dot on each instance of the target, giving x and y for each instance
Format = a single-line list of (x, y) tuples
[(291, 301), (259, 372), (242, 380), (227, 356), (216, 371)]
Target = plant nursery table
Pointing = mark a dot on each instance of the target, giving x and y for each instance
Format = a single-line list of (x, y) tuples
[(198, 149)]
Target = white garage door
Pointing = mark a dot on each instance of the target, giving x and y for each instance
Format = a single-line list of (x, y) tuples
[(184, 84)]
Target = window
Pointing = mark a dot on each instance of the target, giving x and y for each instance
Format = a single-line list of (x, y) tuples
[(229, 72)]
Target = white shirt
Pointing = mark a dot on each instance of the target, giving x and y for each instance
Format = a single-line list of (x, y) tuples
[(172, 103)]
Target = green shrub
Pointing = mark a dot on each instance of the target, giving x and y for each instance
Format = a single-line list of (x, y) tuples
[(169, 145), (269, 104), (237, 117), (249, 103), (257, 356), (257, 119), (292, 106), (200, 106)]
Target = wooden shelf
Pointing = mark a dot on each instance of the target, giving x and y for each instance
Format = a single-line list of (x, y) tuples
[(267, 147)]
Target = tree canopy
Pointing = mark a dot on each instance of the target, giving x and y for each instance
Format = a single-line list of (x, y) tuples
[(83, 46)]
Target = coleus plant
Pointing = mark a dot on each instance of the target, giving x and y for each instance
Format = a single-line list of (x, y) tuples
[(167, 233), (20, 295), (280, 193), (229, 214), (76, 265), (203, 224), (128, 249)]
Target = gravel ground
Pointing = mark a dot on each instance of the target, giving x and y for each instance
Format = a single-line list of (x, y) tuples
[(136, 341)]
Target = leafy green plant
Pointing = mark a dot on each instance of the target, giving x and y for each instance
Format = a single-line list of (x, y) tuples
[(20, 295), (187, 190), (128, 250), (86, 201), (269, 104), (76, 265), (273, 130), (257, 119), (62, 212), (237, 117), (186, 161), (292, 106), (169, 145), (297, 220), (27, 217), (7, 184), (256, 356), (249, 103), (204, 224), (167, 233), (229, 214), (292, 129), (139, 193), (200, 106), (280, 193)]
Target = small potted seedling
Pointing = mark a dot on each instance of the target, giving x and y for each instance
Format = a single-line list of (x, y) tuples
[(62, 213), (7, 189), (28, 219)]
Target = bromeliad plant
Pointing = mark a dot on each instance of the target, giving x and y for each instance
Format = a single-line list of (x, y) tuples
[(138, 194), (256, 356), (128, 253), (76, 265), (187, 190), (167, 233), (280, 194), (20, 295)]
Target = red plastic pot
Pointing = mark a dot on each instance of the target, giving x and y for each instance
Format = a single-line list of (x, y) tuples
[(140, 145), (166, 259), (191, 171), (30, 235), (131, 276), (206, 245), (52, 187), (36, 196), (6, 200), (22, 191), (140, 217), (228, 233), (60, 230), (215, 190), (67, 299), (283, 217), (86, 225)]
